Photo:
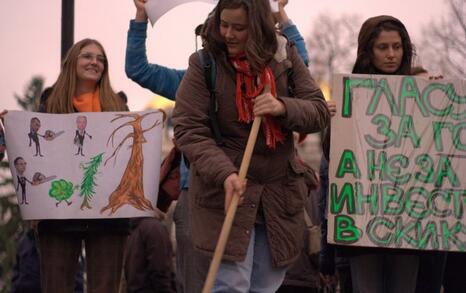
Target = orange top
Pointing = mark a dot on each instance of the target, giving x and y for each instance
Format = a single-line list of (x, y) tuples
[(88, 102)]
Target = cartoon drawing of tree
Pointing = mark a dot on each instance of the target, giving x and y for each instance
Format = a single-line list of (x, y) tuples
[(88, 182), (131, 187), (61, 190)]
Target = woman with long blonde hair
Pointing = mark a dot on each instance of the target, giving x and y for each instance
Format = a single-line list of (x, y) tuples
[(83, 85)]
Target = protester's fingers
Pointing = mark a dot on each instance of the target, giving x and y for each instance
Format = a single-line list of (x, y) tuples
[(229, 187), (158, 214), (139, 4), (140, 10), (228, 197), (2, 114), (435, 77), (282, 2), (327, 279), (243, 185), (332, 108), (33, 224), (267, 104)]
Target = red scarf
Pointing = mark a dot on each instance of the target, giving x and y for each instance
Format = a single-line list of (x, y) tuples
[(248, 87)]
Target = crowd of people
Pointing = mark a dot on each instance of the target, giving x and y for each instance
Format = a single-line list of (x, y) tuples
[(261, 66)]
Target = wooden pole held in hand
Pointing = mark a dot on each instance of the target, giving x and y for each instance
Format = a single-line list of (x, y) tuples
[(230, 216)]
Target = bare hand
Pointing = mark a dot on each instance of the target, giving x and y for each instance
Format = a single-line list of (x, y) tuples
[(328, 280), (435, 77), (140, 10), (267, 104), (282, 3), (158, 214), (332, 108), (2, 114), (233, 187), (281, 17), (33, 224)]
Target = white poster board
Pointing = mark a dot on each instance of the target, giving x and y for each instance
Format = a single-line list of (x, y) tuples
[(398, 163), (85, 165), (155, 9)]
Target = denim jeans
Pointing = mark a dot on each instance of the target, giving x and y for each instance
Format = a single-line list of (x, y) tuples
[(255, 274)]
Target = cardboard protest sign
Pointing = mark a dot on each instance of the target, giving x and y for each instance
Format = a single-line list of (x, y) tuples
[(398, 163), (155, 9), (85, 165)]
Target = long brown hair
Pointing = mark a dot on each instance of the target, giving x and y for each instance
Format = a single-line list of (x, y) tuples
[(61, 97), (370, 30), (262, 41)]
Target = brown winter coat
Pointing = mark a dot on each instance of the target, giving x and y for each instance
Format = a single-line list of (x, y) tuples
[(275, 179)]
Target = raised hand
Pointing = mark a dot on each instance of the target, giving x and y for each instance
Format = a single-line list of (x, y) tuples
[(140, 10)]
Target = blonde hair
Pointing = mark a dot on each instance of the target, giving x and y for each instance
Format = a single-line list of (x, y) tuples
[(61, 98)]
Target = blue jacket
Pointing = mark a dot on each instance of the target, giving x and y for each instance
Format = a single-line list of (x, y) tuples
[(165, 81)]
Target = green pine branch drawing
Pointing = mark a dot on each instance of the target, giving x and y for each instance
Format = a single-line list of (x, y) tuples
[(88, 183)]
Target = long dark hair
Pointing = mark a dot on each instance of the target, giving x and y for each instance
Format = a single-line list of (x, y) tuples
[(262, 41), (370, 30)]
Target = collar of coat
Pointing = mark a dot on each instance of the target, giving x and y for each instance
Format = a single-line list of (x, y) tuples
[(279, 64)]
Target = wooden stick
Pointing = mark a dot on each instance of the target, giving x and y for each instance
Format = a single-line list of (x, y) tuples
[(230, 216)]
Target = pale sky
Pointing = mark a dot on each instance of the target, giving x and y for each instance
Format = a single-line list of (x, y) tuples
[(30, 35)]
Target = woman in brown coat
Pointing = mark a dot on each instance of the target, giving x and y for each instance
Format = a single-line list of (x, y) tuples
[(267, 232)]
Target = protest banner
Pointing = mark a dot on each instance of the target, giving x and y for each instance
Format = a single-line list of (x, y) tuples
[(398, 163), (85, 165)]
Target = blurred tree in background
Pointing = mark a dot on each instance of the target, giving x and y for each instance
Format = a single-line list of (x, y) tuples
[(332, 45), (11, 225), (443, 47)]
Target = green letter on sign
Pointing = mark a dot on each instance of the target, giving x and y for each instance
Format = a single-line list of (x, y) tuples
[(348, 164), (345, 230)]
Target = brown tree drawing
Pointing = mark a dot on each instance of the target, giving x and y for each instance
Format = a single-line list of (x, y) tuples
[(131, 187)]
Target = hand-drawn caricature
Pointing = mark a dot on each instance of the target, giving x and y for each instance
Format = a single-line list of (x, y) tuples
[(62, 190), (34, 135), (131, 188), (20, 166), (81, 123), (39, 178), (88, 183)]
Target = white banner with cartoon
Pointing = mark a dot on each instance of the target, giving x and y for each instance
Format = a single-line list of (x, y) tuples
[(85, 165)]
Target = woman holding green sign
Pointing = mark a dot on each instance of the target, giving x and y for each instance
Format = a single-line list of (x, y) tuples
[(384, 47)]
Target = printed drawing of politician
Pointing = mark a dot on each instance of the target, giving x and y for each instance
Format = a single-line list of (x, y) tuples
[(20, 166), (81, 123), (34, 135)]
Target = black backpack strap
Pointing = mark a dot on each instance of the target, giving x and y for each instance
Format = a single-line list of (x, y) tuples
[(290, 82), (289, 75), (210, 75)]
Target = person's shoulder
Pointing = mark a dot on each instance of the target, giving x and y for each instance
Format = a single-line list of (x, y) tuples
[(45, 94), (43, 98), (194, 58)]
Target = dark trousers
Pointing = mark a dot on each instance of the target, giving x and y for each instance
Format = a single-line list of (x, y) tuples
[(59, 254), (384, 273), (430, 273), (454, 279), (191, 265)]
